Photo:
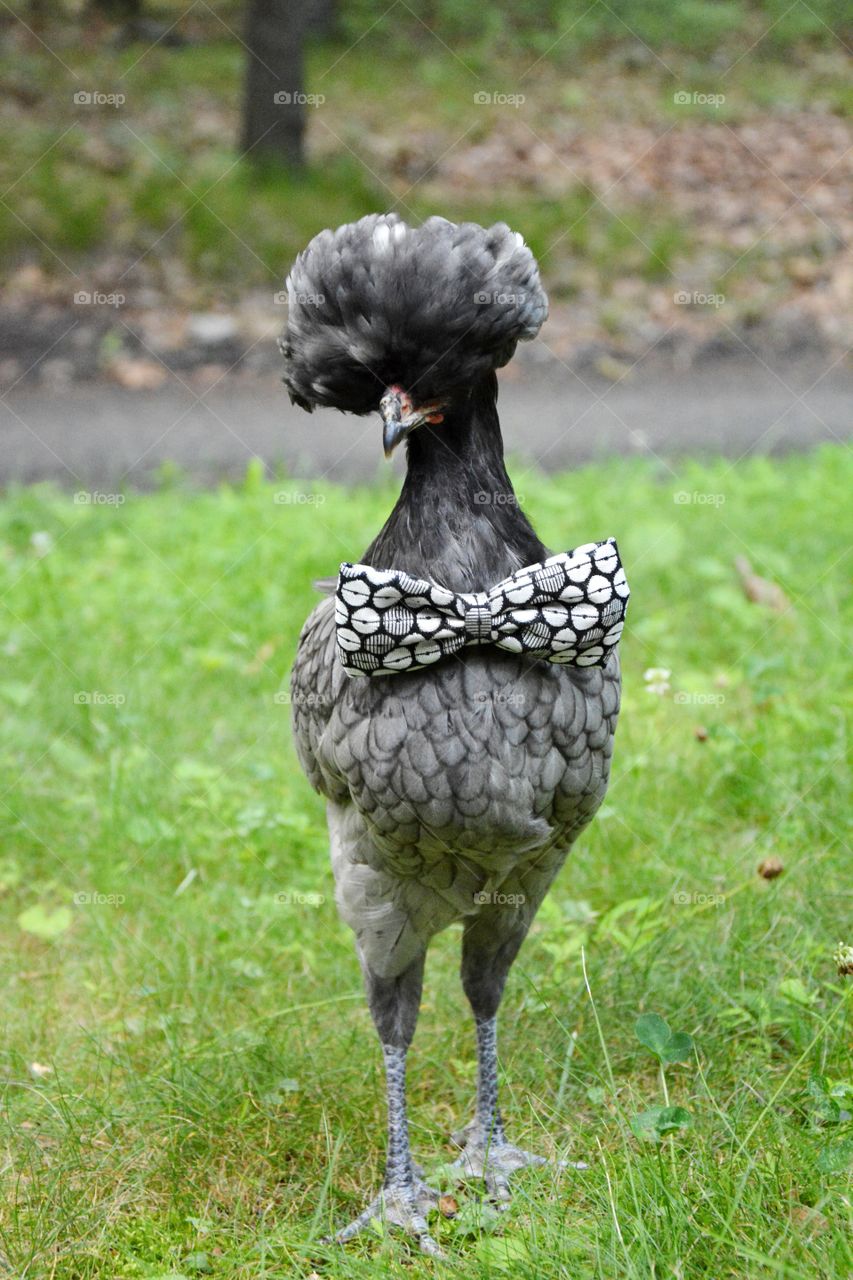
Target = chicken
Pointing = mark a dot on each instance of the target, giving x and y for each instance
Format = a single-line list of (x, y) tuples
[(455, 790)]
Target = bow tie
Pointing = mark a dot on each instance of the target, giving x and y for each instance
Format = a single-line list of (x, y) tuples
[(568, 609)]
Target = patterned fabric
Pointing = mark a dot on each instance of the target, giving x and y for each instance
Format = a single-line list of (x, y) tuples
[(568, 609)]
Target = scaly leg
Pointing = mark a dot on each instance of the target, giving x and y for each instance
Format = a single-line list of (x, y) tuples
[(405, 1199), (486, 1153)]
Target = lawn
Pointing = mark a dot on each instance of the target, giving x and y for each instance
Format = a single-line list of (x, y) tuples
[(191, 1084)]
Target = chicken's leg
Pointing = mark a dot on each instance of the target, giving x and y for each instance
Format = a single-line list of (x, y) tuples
[(487, 955), (405, 1199)]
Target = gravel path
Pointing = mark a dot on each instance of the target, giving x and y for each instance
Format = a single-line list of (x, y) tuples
[(95, 434)]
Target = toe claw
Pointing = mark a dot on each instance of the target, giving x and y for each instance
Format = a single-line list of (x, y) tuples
[(429, 1246), (497, 1185), (495, 1160), (404, 1206)]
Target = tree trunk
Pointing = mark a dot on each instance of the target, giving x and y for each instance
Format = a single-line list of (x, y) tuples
[(274, 100), (323, 19), (117, 10)]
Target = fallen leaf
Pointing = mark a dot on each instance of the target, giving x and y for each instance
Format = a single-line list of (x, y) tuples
[(760, 590), (265, 652), (810, 1219), (803, 270), (137, 375)]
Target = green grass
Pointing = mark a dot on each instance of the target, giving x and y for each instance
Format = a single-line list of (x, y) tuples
[(170, 947), (585, 28)]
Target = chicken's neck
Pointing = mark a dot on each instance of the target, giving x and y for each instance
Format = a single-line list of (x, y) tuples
[(457, 520)]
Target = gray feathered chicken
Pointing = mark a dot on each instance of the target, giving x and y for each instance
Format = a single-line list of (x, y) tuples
[(456, 790)]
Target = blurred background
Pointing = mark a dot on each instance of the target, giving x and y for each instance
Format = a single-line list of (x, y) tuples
[(682, 170), (188, 1082)]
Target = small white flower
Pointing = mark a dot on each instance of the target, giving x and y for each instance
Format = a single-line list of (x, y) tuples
[(41, 542), (843, 957), (657, 680)]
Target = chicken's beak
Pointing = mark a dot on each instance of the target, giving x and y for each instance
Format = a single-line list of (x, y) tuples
[(394, 429), (400, 417)]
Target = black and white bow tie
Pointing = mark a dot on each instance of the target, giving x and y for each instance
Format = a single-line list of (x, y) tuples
[(568, 609)]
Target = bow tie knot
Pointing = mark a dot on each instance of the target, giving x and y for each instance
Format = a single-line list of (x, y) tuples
[(569, 609), (478, 618)]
